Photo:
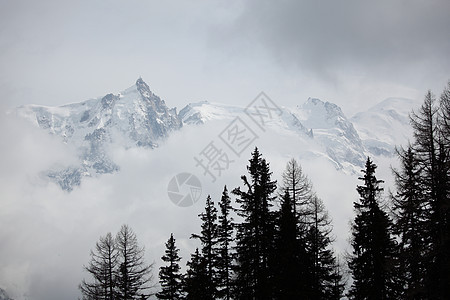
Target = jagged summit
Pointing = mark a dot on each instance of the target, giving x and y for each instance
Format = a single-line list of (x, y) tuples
[(318, 113), (155, 101), (136, 116)]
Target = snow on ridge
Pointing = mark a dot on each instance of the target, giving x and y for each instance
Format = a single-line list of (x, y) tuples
[(137, 117), (385, 125), (317, 123)]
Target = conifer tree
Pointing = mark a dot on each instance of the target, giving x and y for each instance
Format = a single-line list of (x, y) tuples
[(224, 244), (208, 238), (255, 245), (170, 277), (442, 213), (299, 187), (444, 105), (133, 275), (324, 277), (339, 282), (373, 254), (102, 267), (432, 153), (118, 268), (410, 210), (195, 278), (289, 277), (315, 260)]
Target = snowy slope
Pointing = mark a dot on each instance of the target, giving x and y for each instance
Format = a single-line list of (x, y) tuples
[(385, 125), (321, 126), (138, 118), (331, 128), (134, 117)]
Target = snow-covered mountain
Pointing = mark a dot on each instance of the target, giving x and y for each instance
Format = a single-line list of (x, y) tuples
[(322, 126), (331, 128), (138, 118), (134, 117), (385, 125)]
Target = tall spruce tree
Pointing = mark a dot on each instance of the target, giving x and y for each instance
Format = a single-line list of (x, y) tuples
[(443, 206), (372, 259), (170, 277), (133, 275), (300, 190), (224, 244), (339, 281), (209, 239), (194, 280), (289, 276), (324, 278), (102, 268), (410, 216), (254, 238), (432, 153)]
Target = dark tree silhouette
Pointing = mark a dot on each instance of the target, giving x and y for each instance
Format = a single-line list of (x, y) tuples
[(410, 207), (118, 269), (195, 278), (299, 187), (224, 241), (431, 149), (134, 275), (170, 277), (103, 264), (208, 238), (290, 277), (255, 235), (372, 260), (326, 282)]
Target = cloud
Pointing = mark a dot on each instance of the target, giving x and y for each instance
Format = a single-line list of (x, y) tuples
[(346, 52), (329, 37), (355, 53), (47, 233)]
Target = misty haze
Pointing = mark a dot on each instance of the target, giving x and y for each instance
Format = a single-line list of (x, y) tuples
[(224, 150)]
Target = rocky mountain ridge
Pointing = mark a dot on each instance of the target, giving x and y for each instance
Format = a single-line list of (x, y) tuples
[(137, 117)]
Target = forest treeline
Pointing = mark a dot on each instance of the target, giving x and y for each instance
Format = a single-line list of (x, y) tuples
[(275, 243)]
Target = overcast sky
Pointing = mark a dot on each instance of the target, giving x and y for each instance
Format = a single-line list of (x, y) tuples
[(353, 53)]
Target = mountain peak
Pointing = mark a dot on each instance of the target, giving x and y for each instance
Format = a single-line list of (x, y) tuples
[(330, 108), (136, 116), (147, 95), (143, 88), (314, 101)]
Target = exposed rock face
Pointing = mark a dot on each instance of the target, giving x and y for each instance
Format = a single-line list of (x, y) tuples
[(136, 117)]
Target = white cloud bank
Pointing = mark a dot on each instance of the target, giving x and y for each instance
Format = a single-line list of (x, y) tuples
[(46, 233)]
